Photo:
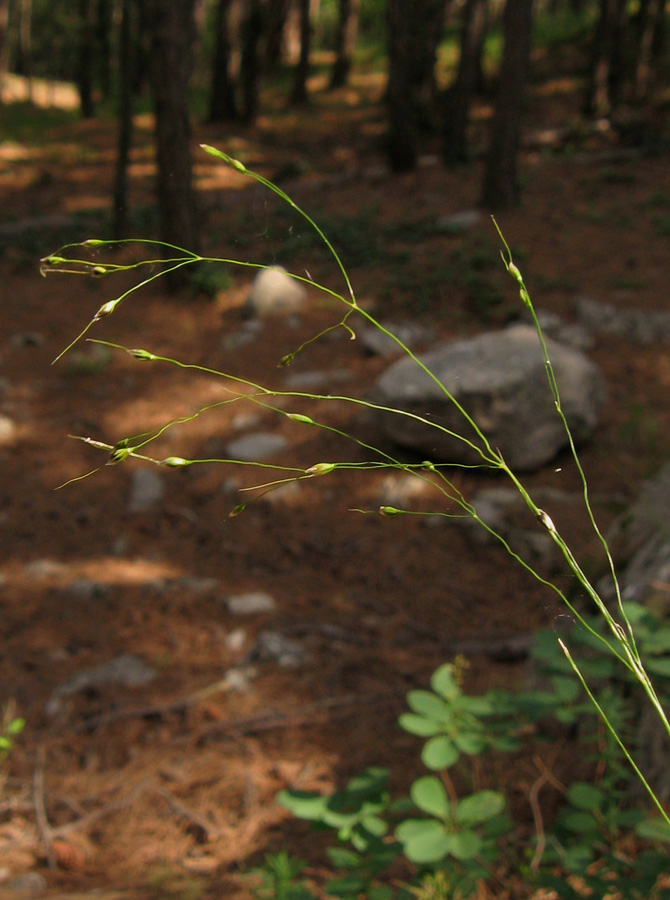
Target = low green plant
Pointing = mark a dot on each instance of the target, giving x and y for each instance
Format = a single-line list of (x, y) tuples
[(457, 832), (280, 878), (11, 726)]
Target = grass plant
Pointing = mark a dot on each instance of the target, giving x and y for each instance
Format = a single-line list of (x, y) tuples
[(458, 833)]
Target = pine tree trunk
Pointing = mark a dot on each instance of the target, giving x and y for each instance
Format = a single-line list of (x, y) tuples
[(172, 32), (251, 33), (461, 93), (402, 149), (606, 67), (501, 187), (222, 105), (299, 95), (345, 40), (277, 14), (127, 45), (86, 57)]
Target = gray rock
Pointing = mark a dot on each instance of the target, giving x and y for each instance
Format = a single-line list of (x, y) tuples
[(127, 670), (147, 489), (274, 291), (271, 646), (574, 335), (260, 445), (315, 380), (378, 343), (250, 604), (499, 378), (45, 568), (28, 884), (640, 326), (401, 490), (458, 222), (246, 335), (86, 589), (641, 546)]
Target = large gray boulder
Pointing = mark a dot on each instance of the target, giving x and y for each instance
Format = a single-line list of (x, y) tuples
[(500, 380)]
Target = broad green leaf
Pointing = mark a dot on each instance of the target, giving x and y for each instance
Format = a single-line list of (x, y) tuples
[(343, 858), (347, 886), (464, 844), (577, 858), (479, 807), (439, 753), (427, 703), (303, 804), (585, 796), (374, 825), (580, 822), (16, 726), (419, 725), (654, 830), (483, 705), (470, 742), (430, 796), (442, 682), (423, 840)]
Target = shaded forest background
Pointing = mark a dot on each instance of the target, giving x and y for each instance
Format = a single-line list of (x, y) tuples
[(212, 59)]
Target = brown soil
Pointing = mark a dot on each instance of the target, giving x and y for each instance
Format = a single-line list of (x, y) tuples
[(159, 791)]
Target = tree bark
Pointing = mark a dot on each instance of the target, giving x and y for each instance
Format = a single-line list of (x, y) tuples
[(172, 32), (345, 40), (606, 66), (127, 45), (501, 187), (4, 40), (222, 103), (299, 95), (86, 57), (251, 33), (402, 141), (277, 14), (460, 94)]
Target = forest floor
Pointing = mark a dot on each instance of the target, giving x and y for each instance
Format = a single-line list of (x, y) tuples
[(167, 789)]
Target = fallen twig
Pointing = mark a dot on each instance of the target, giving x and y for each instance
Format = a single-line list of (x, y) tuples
[(45, 830)]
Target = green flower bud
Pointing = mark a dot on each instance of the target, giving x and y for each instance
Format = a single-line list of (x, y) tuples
[(143, 355), (175, 462), (118, 454), (390, 511), (105, 310), (93, 242), (320, 469), (298, 417)]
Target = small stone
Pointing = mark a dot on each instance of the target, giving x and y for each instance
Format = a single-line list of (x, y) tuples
[(7, 430), (127, 670), (147, 489), (458, 222), (29, 884), (274, 291), (246, 335), (259, 445), (196, 584), (314, 380), (236, 640), (86, 589), (250, 604), (271, 646), (28, 339), (376, 342), (45, 568)]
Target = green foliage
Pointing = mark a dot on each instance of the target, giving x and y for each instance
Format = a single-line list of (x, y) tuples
[(11, 726), (280, 878)]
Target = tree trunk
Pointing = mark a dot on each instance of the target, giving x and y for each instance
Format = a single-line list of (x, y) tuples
[(4, 41), (104, 28), (345, 40), (172, 27), (277, 14), (222, 104), (649, 19), (299, 95), (402, 148), (127, 58), (86, 57), (251, 33), (460, 94), (606, 66), (501, 188)]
